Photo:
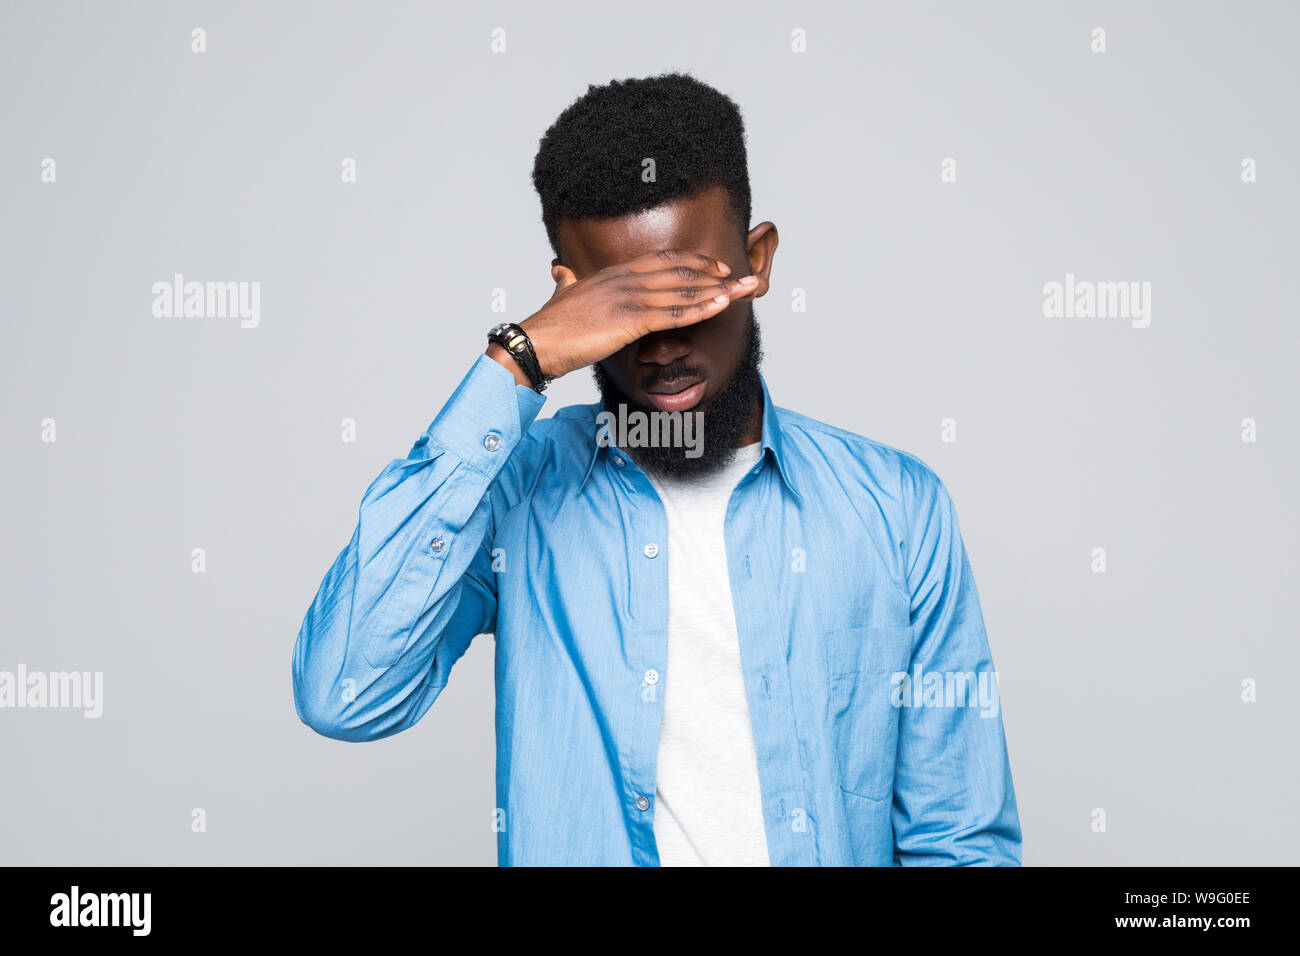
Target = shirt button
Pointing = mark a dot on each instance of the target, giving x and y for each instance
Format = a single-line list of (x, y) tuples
[(651, 550), (492, 441), (652, 677), (619, 461), (437, 545), (643, 802)]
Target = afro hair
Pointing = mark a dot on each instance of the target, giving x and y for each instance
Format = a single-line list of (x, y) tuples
[(589, 163)]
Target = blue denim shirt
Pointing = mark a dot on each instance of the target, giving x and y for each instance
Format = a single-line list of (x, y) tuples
[(861, 635)]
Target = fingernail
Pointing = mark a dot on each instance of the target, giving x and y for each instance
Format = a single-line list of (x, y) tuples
[(726, 269), (748, 280), (720, 298)]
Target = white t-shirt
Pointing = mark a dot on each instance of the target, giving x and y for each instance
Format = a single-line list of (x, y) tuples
[(708, 805)]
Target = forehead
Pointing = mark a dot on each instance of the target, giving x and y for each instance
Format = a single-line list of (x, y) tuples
[(701, 222)]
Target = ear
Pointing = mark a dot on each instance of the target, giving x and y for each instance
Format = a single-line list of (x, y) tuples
[(562, 275), (762, 240)]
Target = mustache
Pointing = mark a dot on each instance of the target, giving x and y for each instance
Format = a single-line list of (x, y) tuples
[(672, 373)]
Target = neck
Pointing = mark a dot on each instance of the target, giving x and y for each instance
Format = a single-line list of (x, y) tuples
[(754, 430)]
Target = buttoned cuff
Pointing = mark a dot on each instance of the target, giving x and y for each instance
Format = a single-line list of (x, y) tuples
[(486, 417)]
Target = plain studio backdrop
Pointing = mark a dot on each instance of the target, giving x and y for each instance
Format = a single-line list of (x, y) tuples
[(1122, 690)]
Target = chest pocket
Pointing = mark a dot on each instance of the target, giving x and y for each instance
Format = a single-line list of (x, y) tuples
[(862, 664)]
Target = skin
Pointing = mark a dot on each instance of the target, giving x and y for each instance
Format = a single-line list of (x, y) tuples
[(640, 293)]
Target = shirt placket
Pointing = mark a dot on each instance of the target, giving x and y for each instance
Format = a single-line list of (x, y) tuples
[(645, 647), (787, 815)]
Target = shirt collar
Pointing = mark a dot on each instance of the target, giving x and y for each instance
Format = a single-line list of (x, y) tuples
[(771, 441)]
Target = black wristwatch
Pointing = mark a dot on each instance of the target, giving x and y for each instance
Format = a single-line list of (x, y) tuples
[(515, 341)]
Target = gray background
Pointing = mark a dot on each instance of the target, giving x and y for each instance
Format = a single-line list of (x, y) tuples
[(1121, 690)]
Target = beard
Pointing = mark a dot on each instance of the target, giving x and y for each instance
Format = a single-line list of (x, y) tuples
[(725, 417)]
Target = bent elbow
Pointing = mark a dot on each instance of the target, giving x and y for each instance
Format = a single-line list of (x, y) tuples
[(320, 715), (341, 716)]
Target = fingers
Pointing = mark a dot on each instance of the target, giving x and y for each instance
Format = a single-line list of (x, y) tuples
[(673, 278), (676, 316), (669, 259), (678, 294)]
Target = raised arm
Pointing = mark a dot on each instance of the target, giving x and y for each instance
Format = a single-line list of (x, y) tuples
[(415, 585)]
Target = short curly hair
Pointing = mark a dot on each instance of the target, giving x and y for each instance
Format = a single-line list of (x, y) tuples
[(589, 163)]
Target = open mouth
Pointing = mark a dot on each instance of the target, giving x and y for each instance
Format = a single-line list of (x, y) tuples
[(677, 397)]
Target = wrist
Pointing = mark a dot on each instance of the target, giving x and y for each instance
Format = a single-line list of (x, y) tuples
[(517, 344), (507, 361)]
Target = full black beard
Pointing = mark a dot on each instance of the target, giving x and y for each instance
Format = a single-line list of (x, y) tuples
[(726, 417)]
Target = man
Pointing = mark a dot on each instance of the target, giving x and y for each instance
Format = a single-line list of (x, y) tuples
[(719, 651)]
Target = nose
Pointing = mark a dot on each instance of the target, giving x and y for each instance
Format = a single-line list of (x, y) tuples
[(663, 347)]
